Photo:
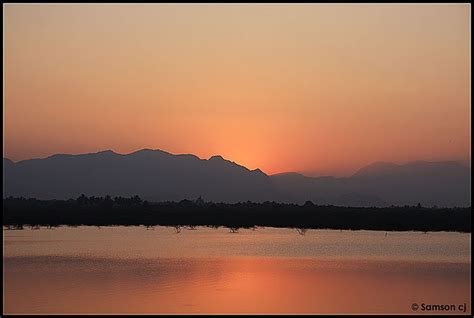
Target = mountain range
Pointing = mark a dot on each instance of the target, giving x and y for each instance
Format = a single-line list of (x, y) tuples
[(156, 175)]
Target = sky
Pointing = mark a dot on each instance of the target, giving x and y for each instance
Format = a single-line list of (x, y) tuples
[(318, 89)]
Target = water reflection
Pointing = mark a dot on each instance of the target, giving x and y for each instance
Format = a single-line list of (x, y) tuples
[(132, 270)]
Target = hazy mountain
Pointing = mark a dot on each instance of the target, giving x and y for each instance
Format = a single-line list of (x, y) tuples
[(323, 190), (156, 175), (381, 184), (152, 174), (378, 169), (445, 183)]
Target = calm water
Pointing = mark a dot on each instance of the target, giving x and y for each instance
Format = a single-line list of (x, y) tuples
[(267, 270)]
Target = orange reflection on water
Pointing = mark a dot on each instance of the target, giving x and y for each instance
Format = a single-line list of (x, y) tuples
[(229, 285)]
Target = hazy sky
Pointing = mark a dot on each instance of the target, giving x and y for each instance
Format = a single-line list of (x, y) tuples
[(320, 88)]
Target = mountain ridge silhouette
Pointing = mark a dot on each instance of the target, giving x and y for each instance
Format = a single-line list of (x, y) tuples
[(157, 175)]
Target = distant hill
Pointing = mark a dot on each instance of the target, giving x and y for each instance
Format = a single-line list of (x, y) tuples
[(324, 190), (378, 169), (156, 175), (445, 184), (152, 174)]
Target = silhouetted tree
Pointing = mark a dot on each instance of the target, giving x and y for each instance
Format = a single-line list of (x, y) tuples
[(233, 229), (82, 200), (101, 211), (136, 199)]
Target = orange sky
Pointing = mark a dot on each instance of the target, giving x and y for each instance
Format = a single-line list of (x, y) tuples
[(311, 88)]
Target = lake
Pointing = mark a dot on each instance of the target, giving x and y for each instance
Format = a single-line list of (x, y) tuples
[(205, 270)]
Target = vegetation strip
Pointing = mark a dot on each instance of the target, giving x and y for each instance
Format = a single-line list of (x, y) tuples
[(103, 211)]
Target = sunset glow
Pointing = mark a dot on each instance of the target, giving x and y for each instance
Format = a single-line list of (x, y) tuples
[(320, 89)]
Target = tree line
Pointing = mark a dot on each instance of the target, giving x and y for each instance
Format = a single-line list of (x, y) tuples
[(103, 211)]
